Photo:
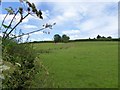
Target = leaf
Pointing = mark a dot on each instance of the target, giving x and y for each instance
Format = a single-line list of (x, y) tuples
[(40, 12), (33, 5), (41, 17), (54, 23), (5, 26), (20, 10), (9, 10), (28, 9), (29, 4)]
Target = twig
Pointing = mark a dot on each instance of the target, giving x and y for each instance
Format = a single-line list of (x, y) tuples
[(28, 33), (33, 31), (4, 20), (10, 23), (16, 26)]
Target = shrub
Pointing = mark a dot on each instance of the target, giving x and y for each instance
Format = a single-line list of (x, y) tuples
[(22, 56)]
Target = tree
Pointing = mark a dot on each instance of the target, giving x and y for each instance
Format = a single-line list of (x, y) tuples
[(57, 38), (98, 37), (103, 37), (109, 37), (65, 38)]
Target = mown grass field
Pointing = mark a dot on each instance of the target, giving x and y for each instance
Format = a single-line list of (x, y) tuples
[(79, 64)]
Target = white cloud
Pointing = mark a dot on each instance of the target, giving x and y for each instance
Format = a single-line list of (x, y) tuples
[(27, 26), (47, 39), (40, 39), (45, 14), (38, 33), (68, 13), (71, 32), (98, 20)]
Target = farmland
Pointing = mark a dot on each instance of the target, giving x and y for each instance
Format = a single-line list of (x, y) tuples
[(78, 64)]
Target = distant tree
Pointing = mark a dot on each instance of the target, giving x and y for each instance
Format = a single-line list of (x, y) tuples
[(65, 38), (57, 38), (109, 37), (103, 37), (98, 37)]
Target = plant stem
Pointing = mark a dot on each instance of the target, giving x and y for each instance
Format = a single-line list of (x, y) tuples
[(4, 20), (29, 33), (16, 26), (10, 23)]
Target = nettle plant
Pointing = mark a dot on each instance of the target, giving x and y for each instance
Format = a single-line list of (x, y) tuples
[(22, 56)]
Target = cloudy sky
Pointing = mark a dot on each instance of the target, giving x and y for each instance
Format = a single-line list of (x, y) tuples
[(77, 19)]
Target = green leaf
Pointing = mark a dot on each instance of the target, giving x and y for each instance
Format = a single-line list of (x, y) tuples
[(30, 5), (9, 10), (20, 10), (5, 26)]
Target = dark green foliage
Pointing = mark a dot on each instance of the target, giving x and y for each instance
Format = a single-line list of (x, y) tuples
[(18, 79), (103, 38), (109, 37), (20, 10), (65, 38), (98, 36), (34, 10), (5, 26), (57, 38), (22, 56), (10, 10)]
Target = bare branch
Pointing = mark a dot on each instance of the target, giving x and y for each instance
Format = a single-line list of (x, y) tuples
[(33, 31), (16, 26), (4, 20), (10, 23), (28, 33)]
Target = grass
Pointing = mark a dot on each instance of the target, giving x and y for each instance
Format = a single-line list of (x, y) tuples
[(80, 64)]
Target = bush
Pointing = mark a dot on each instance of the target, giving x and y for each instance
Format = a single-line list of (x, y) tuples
[(22, 56)]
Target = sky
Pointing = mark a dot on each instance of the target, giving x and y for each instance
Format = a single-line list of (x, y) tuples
[(79, 19)]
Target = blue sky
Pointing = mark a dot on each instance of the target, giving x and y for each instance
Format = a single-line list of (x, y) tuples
[(76, 19)]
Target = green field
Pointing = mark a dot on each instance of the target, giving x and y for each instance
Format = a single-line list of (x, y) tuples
[(79, 64)]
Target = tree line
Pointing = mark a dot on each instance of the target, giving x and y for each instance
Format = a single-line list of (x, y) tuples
[(103, 37)]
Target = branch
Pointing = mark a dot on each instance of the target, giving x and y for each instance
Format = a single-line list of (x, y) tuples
[(48, 26), (4, 20), (16, 26), (28, 33), (10, 23)]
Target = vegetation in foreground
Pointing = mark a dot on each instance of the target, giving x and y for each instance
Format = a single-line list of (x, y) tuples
[(20, 57), (79, 64)]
